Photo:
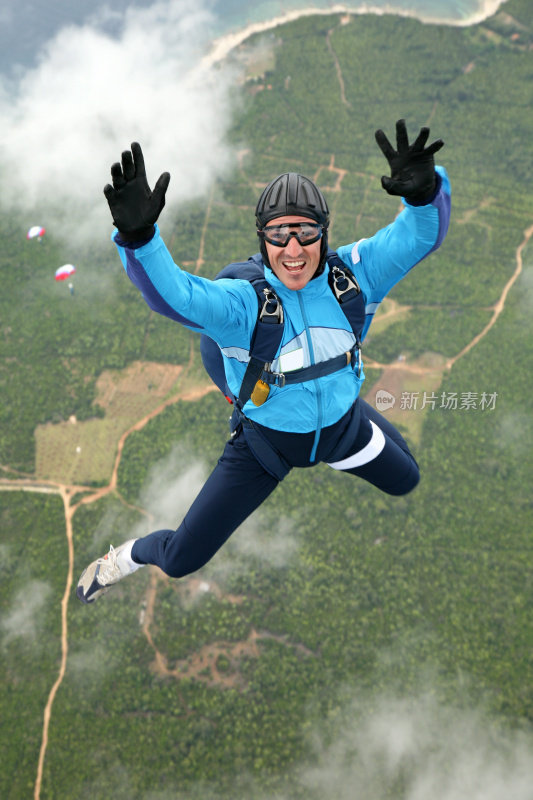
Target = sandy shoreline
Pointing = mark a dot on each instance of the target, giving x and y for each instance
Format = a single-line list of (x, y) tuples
[(225, 44)]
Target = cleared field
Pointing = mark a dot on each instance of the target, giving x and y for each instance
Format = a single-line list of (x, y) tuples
[(85, 452)]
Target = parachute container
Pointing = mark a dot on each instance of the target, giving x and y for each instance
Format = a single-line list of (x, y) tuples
[(65, 272), (36, 232)]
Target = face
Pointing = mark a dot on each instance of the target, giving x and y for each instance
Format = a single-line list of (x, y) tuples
[(295, 264)]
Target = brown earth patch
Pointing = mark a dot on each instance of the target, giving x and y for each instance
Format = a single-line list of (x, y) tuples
[(214, 664), (84, 452), (218, 664), (139, 378)]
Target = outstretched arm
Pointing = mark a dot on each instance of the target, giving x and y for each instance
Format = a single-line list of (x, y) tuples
[(223, 312), (385, 258), (412, 166), (134, 207)]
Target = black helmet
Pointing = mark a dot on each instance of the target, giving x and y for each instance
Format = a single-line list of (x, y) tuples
[(292, 194)]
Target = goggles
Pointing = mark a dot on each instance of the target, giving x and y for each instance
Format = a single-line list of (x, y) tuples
[(279, 235)]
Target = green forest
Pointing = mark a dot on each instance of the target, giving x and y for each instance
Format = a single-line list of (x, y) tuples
[(343, 642)]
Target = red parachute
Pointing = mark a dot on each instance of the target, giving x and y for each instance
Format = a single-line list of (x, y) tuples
[(36, 232), (65, 272)]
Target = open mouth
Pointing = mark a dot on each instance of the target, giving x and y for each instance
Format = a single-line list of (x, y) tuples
[(294, 266)]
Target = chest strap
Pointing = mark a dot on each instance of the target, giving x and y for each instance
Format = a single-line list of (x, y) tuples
[(313, 371)]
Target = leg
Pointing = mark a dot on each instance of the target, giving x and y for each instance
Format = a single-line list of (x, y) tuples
[(236, 487), (380, 455)]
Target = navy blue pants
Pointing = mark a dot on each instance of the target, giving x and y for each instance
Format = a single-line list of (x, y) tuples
[(239, 484)]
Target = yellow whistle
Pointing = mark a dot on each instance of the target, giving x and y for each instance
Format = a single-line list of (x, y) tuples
[(260, 393)]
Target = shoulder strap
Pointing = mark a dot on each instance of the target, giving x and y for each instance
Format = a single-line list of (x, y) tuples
[(347, 291), (267, 334), (266, 337)]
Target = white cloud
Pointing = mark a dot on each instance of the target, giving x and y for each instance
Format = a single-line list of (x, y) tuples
[(274, 546), (403, 748), (65, 121), (22, 619), (414, 749), (170, 488)]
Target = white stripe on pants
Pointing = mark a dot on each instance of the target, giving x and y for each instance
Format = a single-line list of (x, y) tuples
[(368, 453)]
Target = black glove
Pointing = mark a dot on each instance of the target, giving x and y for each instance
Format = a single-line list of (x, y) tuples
[(133, 206), (412, 167)]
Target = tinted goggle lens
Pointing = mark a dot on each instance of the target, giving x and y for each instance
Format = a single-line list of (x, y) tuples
[(279, 235)]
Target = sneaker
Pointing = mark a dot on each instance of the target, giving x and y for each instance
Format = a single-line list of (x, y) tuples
[(96, 579)]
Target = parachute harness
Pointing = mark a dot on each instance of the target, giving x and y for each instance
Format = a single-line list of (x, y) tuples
[(272, 314), (345, 288)]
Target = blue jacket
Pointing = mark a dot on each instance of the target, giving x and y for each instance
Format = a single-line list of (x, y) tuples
[(315, 327)]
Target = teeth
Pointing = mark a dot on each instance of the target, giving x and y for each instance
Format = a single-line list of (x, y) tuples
[(293, 264)]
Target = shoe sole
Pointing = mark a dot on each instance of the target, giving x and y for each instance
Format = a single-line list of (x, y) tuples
[(86, 597)]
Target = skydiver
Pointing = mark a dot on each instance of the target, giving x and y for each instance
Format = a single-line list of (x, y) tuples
[(304, 405)]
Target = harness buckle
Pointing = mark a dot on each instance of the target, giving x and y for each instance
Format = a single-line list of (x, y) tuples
[(273, 378), (279, 379), (344, 284), (272, 310)]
